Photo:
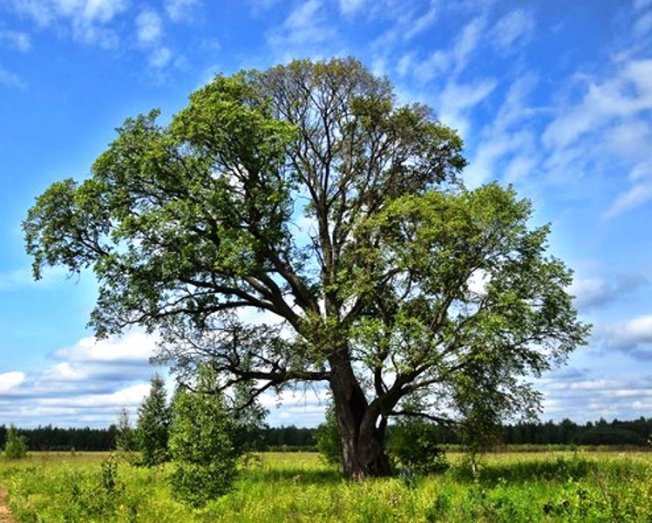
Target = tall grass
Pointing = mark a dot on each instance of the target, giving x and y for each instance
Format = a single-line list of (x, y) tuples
[(277, 487)]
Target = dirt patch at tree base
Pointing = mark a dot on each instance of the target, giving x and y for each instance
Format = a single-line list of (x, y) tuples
[(5, 515)]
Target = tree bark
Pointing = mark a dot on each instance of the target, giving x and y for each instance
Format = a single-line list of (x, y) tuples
[(362, 435)]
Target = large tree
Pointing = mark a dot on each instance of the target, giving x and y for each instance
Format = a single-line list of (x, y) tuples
[(307, 192)]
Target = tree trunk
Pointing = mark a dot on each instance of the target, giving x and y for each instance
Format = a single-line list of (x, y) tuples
[(363, 440)]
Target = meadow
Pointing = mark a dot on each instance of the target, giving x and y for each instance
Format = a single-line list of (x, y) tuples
[(279, 487)]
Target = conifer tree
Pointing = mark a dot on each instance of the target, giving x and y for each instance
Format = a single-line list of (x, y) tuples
[(125, 438), (154, 424)]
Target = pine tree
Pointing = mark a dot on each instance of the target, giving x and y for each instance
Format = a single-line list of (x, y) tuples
[(125, 438), (154, 425)]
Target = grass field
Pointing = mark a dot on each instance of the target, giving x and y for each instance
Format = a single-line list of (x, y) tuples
[(275, 487)]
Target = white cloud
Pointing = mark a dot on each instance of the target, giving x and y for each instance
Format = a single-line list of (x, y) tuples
[(628, 138), (305, 31), (99, 10), (134, 346), (625, 95), (160, 58), (513, 29), (597, 291), (149, 31), (585, 397), (88, 381), (149, 27), (421, 23), (643, 25), (128, 396), (16, 39), (11, 380), (9, 79), (349, 7), (86, 20), (630, 335), (456, 59), (505, 135), (179, 10), (639, 192), (456, 99)]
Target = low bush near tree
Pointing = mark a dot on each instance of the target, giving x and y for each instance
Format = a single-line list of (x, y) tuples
[(16, 446)]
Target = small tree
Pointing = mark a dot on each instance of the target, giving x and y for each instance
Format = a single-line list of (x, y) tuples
[(154, 424), (200, 442), (16, 446), (125, 438)]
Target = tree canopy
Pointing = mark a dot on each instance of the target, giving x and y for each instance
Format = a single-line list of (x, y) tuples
[(308, 192)]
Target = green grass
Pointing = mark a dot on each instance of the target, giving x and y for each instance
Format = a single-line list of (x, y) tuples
[(276, 487)]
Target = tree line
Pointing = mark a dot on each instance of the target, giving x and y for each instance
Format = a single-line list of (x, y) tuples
[(565, 432)]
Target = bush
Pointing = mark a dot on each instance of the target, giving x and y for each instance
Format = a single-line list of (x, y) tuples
[(16, 446), (413, 444), (200, 443), (327, 436)]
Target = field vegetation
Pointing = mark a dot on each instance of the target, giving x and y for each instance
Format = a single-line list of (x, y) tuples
[(557, 486)]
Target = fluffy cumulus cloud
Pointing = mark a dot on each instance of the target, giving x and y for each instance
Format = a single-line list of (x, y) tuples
[(149, 27), (149, 34), (11, 380), (87, 383), (633, 336)]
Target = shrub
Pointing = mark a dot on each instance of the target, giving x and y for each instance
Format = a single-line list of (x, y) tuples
[(16, 446), (200, 443), (327, 436), (413, 444)]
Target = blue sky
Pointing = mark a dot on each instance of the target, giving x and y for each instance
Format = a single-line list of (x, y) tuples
[(552, 96)]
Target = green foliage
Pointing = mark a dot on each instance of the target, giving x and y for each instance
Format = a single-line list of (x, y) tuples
[(413, 444), (329, 441), (298, 487), (16, 445), (154, 425), (200, 443), (188, 223), (125, 436)]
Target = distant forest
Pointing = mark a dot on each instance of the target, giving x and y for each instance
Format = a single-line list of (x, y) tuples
[(631, 433)]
